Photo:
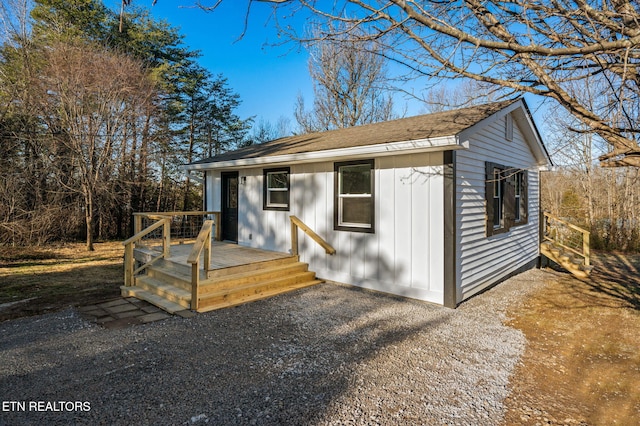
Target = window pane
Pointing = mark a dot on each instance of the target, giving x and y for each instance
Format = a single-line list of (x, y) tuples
[(277, 180), (497, 212), (232, 193), (355, 179), (278, 197), (356, 210)]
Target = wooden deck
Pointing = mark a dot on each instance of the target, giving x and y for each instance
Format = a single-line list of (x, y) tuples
[(236, 275), (225, 255)]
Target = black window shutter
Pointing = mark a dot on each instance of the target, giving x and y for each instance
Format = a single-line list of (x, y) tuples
[(509, 199), (488, 179), (524, 213)]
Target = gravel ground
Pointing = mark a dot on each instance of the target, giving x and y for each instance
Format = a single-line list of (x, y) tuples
[(325, 355)]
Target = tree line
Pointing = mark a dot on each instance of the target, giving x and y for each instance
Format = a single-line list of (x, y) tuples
[(98, 108), (603, 200), (97, 111)]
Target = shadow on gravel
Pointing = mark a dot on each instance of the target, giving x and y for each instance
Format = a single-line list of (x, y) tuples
[(286, 360)]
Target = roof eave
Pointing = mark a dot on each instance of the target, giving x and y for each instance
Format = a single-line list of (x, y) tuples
[(443, 143)]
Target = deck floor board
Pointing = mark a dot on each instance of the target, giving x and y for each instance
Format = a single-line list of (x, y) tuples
[(225, 255)]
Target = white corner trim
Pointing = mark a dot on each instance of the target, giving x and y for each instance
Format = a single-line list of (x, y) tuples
[(378, 150)]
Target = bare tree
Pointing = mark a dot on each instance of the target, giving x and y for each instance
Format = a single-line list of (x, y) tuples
[(264, 131), (349, 85), (469, 93), (87, 95), (604, 200), (524, 46)]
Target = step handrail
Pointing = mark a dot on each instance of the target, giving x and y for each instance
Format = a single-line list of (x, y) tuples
[(586, 251), (202, 244), (296, 224), (129, 259)]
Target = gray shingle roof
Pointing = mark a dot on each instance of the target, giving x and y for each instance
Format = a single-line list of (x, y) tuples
[(440, 124)]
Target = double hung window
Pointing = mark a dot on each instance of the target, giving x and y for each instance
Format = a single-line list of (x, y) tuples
[(276, 189), (506, 197), (354, 196)]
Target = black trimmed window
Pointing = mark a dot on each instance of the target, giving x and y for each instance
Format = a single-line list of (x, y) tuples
[(506, 198), (354, 196), (276, 189)]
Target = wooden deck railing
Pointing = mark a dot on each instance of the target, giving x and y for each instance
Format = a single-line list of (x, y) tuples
[(566, 235), (179, 221), (202, 244), (129, 245), (298, 224), (165, 222)]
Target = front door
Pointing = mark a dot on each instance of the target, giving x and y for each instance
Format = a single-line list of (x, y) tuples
[(229, 229)]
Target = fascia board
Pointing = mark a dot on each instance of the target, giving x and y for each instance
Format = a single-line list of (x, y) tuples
[(386, 149), (533, 136)]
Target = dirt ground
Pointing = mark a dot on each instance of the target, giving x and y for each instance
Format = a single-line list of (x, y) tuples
[(582, 361), (581, 364)]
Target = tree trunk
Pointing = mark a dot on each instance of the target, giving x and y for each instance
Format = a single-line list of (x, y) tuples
[(88, 216)]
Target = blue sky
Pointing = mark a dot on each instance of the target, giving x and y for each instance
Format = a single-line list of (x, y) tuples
[(267, 77), (267, 74)]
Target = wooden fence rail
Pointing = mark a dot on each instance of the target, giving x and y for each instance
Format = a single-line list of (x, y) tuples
[(559, 232)]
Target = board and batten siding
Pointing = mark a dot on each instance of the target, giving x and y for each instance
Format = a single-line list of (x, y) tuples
[(213, 185), (404, 255), (480, 260)]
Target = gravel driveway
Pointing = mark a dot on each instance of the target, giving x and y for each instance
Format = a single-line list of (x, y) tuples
[(328, 354)]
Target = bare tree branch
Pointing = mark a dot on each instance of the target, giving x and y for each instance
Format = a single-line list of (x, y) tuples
[(540, 47)]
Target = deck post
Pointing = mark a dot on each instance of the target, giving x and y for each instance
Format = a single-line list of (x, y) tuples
[(216, 215), (137, 224), (128, 265), (585, 248), (195, 282), (166, 237), (207, 254), (294, 237)]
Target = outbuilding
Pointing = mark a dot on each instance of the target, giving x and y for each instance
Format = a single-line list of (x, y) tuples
[(435, 207)]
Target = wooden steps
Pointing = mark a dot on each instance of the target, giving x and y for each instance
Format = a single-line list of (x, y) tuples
[(241, 284), (167, 284), (250, 294), (152, 298), (572, 263)]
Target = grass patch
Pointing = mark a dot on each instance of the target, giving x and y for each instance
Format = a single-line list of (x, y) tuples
[(53, 278)]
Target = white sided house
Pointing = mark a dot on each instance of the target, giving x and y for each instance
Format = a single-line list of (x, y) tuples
[(436, 207)]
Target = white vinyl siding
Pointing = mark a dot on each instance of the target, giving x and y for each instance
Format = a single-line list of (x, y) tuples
[(482, 260)]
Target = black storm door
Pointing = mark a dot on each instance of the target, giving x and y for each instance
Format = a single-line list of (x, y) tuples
[(230, 206)]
